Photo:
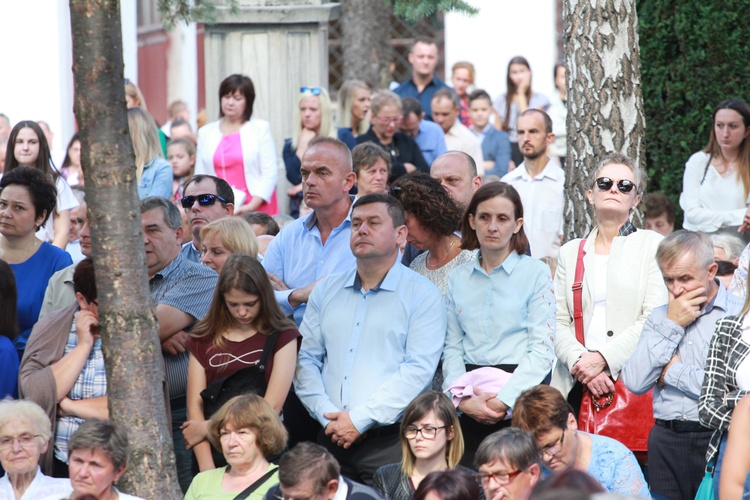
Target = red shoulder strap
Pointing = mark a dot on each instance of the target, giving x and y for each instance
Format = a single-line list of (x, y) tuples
[(578, 293)]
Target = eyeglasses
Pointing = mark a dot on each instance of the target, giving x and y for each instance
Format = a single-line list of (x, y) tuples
[(312, 90), (428, 432), (554, 448), (483, 478), (25, 440), (204, 200), (623, 185), (385, 120)]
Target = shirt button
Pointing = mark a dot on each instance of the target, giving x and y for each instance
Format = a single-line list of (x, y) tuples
[(690, 342), (610, 333)]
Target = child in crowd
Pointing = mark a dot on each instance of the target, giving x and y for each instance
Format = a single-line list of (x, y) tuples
[(181, 155), (495, 143)]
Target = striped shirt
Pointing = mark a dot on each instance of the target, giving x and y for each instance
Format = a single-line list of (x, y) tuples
[(189, 287)]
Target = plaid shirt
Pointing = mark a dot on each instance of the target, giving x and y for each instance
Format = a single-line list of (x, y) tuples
[(720, 392), (91, 383)]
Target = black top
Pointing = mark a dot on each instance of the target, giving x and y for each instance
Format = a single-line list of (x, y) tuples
[(403, 149)]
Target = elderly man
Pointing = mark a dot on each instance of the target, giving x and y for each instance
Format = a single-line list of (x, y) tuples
[(670, 358), (423, 83), (446, 106), (205, 199), (380, 311), (181, 291), (310, 471), (508, 464)]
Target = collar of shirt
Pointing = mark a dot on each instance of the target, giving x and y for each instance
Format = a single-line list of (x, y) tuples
[(520, 173), (435, 82), (720, 300), (341, 493), (627, 228), (169, 268), (508, 264), (389, 281), (312, 218)]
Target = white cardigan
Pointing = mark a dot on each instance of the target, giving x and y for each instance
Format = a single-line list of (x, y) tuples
[(634, 288), (258, 151)]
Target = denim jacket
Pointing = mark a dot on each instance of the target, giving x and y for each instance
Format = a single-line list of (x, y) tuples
[(156, 179)]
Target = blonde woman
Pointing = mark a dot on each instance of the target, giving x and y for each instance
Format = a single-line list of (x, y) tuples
[(353, 111), (154, 173), (221, 238)]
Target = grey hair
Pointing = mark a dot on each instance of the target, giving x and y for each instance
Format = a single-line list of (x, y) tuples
[(383, 98), (103, 436), (169, 210), (641, 177), (731, 244), (16, 409), (513, 445), (682, 242)]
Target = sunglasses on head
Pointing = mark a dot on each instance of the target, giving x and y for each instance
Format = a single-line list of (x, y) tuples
[(623, 185), (312, 90), (204, 200)]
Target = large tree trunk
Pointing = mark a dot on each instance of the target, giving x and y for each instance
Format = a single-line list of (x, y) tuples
[(132, 352), (605, 105), (366, 29)]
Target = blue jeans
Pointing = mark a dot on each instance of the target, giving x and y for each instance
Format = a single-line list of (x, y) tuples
[(183, 457)]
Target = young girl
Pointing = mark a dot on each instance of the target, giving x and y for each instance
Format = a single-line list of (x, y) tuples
[(181, 155), (71, 167), (27, 147), (431, 440), (243, 321)]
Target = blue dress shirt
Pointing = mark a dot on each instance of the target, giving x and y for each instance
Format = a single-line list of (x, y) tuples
[(431, 140), (660, 340), (298, 257), (409, 89), (369, 352), (495, 147), (505, 317)]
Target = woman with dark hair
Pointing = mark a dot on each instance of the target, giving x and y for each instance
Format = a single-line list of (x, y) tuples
[(243, 331), (239, 149), (8, 332), (501, 311), (431, 441), (716, 182), (30, 149), (516, 100), (71, 166), (27, 198), (432, 219), (451, 484)]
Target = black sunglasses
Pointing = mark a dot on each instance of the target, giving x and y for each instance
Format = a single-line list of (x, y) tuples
[(204, 200), (312, 90), (623, 185)]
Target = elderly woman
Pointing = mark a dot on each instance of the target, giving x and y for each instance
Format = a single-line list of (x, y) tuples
[(63, 368), (432, 218), (27, 198), (611, 325), (98, 458), (387, 113), (24, 436), (544, 412), (372, 166), (248, 431), (223, 237)]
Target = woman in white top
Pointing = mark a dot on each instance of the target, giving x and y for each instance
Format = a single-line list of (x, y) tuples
[(716, 182), (239, 149)]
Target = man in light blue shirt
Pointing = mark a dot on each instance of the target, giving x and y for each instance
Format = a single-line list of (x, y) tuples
[(670, 358), (429, 135), (372, 338), (316, 245)]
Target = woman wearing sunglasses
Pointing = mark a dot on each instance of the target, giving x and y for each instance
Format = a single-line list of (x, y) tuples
[(312, 118), (621, 285), (431, 440), (239, 149), (716, 182)]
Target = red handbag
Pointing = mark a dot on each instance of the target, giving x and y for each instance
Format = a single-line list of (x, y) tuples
[(623, 416)]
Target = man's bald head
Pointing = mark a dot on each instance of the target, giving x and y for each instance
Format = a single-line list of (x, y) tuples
[(457, 172), (335, 147)]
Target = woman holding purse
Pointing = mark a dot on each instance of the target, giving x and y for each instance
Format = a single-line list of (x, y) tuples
[(621, 285)]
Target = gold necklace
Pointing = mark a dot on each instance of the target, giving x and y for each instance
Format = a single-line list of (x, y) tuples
[(443, 261)]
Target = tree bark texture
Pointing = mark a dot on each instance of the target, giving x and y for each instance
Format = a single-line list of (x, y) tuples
[(366, 30), (605, 104), (134, 364)]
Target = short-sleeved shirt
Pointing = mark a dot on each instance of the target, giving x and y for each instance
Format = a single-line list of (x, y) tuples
[(234, 356), (66, 200)]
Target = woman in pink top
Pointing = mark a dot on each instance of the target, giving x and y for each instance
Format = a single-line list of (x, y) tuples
[(239, 149)]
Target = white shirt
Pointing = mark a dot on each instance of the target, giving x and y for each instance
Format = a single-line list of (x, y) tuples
[(543, 200), (460, 138), (596, 336), (41, 488), (66, 200)]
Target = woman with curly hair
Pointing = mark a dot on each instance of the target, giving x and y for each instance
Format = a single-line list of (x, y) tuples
[(432, 219)]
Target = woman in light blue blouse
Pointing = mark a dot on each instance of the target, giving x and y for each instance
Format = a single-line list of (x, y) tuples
[(501, 311)]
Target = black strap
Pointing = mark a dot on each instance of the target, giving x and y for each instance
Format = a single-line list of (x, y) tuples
[(705, 170), (257, 484), (268, 350)]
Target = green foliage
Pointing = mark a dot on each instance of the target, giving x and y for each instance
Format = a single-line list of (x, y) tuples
[(414, 10), (694, 55), (190, 11)]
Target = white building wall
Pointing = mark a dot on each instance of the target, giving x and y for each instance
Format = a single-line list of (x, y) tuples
[(502, 30)]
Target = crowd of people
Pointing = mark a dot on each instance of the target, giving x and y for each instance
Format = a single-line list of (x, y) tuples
[(417, 327)]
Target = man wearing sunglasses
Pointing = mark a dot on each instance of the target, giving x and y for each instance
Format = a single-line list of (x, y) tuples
[(508, 464), (206, 198)]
